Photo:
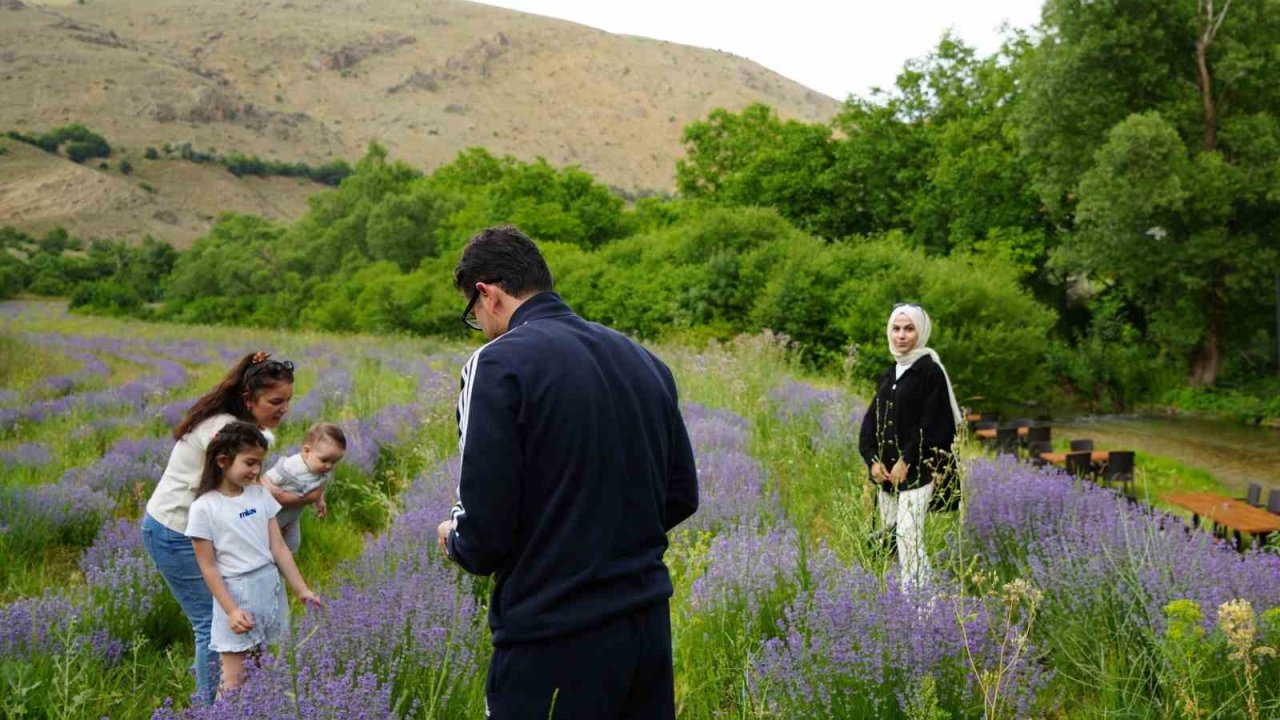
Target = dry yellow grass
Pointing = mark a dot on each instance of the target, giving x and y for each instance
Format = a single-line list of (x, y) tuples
[(313, 81)]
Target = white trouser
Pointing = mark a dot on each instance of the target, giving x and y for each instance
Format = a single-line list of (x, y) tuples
[(906, 512)]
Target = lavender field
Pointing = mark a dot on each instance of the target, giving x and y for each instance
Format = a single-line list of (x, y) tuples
[(1053, 599)]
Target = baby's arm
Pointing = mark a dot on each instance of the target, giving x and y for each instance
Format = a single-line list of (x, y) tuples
[(322, 509), (284, 497), (241, 621), (289, 568)]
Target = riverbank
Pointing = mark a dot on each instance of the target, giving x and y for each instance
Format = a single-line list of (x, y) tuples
[(1232, 454)]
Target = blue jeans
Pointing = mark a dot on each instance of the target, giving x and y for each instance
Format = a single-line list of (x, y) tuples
[(175, 558)]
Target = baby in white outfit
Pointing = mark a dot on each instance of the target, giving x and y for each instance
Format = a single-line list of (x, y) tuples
[(300, 480)]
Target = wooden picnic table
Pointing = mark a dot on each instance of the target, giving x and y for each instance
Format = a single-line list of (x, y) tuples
[(990, 433), (1097, 457), (1228, 512)]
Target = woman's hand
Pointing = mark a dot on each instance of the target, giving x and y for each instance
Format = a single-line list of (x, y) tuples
[(899, 473), (241, 621), (309, 598), (878, 473)]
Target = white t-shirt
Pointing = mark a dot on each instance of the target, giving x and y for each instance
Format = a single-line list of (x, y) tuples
[(238, 527), (177, 487)]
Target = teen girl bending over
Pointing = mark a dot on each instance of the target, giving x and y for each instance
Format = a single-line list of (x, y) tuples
[(241, 553)]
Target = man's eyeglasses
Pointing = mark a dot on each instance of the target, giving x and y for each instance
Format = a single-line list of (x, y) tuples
[(469, 315)]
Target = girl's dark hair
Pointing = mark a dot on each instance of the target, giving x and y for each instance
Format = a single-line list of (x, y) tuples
[(254, 374), (234, 438)]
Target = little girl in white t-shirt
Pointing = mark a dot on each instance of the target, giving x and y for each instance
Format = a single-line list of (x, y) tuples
[(240, 551)]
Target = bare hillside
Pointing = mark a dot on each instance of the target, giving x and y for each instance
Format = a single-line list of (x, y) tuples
[(315, 80)]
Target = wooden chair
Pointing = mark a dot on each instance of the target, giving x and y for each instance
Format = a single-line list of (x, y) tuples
[(1273, 501), (1082, 445)]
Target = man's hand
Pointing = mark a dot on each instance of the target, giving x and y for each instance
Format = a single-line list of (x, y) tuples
[(442, 535)]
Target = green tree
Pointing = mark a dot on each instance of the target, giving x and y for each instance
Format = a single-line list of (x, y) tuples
[(232, 276), (1184, 225), (754, 158), (13, 275)]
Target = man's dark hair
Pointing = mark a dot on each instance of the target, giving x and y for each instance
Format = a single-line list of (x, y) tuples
[(506, 256)]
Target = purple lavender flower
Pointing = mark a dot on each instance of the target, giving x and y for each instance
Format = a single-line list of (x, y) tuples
[(838, 415), (27, 455), (731, 489), (122, 579), (746, 568), (715, 429), (390, 426), (31, 625), (857, 643), (1093, 553)]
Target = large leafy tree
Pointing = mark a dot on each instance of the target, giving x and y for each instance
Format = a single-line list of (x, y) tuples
[(1151, 127), (755, 158), (935, 157)]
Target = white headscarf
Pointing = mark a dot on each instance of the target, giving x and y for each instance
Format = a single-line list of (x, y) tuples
[(924, 327)]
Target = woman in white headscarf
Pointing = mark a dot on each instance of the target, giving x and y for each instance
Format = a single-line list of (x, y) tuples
[(907, 436)]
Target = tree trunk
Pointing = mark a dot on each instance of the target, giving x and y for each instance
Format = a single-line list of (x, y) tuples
[(1212, 22), (1206, 91), (1208, 359), (1278, 323)]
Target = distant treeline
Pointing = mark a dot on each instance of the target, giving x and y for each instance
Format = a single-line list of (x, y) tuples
[(79, 143), (108, 276), (239, 164), (1090, 212)]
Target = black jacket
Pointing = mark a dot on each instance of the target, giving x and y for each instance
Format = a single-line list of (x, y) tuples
[(910, 418), (575, 464)]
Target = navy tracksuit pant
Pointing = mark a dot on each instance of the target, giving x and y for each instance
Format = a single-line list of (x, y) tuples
[(619, 670)]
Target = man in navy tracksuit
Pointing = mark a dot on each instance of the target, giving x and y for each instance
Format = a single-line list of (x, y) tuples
[(575, 464)]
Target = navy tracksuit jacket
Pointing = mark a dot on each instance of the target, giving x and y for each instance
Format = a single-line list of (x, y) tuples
[(575, 464)]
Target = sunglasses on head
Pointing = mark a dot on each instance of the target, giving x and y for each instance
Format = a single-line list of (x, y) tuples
[(270, 367)]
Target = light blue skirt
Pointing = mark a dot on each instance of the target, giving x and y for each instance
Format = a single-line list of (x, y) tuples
[(260, 593)]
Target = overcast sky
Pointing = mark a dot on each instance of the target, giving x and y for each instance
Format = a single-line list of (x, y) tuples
[(836, 47)]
